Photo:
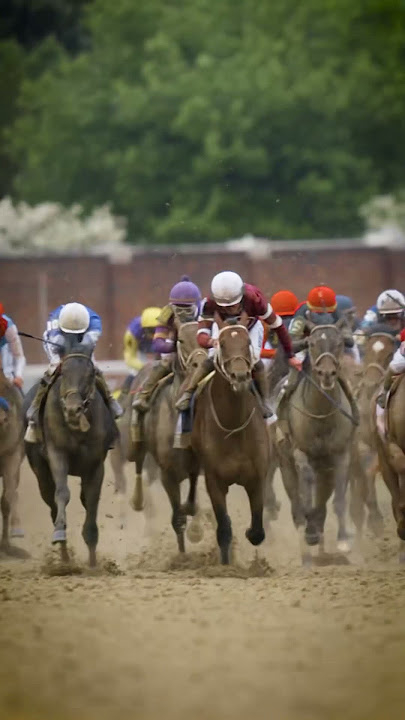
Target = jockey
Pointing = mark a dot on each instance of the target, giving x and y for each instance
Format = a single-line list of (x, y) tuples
[(67, 320), (388, 311), (184, 306), (284, 304), (230, 297), (391, 306), (346, 307), (138, 338), (12, 353), (321, 309)]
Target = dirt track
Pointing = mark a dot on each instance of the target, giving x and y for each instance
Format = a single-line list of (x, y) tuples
[(149, 636)]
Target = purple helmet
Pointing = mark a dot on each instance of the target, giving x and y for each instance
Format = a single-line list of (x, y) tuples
[(185, 293)]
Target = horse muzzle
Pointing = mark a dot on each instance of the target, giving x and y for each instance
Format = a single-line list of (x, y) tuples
[(76, 419)]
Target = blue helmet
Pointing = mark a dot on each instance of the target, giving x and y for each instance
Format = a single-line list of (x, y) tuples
[(345, 303)]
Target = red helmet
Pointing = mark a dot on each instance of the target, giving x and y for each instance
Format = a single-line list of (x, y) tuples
[(321, 299), (284, 302)]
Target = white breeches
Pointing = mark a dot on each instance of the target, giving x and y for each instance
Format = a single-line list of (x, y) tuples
[(256, 339), (397, 364)]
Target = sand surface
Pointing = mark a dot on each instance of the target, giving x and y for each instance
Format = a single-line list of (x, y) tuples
[(150, 635)]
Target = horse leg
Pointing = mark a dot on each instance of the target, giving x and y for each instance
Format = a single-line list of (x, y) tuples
[(271, 505), (224, 527), (117, 461), (192, 466), (340, 482), (357, 482), (10, 469), (137, 501), (58, 466), (90, 496), (171, 484), (255, 533), (16, 528), (375, 520)]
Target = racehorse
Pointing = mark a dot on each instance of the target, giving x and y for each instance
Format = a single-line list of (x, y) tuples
[(230, 435), (77, 431), (315, 453), (157, 430), (11, 456)]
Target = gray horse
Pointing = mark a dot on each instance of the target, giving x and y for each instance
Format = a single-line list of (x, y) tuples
[(315, 452), (77, 431), (11, 456)]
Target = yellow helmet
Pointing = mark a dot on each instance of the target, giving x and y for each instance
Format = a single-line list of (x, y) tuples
[(149, 317)]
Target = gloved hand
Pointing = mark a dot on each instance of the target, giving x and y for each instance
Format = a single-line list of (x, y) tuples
[(18, 381)]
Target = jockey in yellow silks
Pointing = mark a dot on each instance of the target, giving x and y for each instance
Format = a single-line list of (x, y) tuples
[(138, 338)]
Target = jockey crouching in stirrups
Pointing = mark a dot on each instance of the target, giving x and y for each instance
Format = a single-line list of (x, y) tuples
[(230, 298), (184, 306), (391, 311), (67, 320)]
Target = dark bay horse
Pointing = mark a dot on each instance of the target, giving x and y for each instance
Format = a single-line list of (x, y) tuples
[(230, 435), (11, 456), (316, 452), (158, 429), (379, 350), (77, 429)]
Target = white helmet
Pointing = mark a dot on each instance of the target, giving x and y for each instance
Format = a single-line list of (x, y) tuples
[(227, 288), (390, 302), (74, 318)]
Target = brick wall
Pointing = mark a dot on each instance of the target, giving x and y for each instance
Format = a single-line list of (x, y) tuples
[(31, 287)]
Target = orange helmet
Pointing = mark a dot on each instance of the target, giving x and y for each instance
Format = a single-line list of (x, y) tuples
[(284, 302), (321, 299)]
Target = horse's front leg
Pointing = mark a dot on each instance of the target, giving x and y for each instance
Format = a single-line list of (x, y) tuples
[(192, 467), (255, 533), (10, 470), (307, 500), (340, 482), (137, 501), (171, 483), (59, 468), (91, 488), (224, 529)]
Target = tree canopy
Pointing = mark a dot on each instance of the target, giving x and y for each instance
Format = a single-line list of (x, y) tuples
[(201, 121)]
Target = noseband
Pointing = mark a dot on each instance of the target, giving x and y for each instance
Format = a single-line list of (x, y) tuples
[(186, 360), (219, 361), (84, 402)]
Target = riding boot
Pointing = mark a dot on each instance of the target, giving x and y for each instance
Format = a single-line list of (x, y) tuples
[(190, 384), (143, 396), (292, 383), (382, 397), (262, 384), (110, 401), (34, 408), (345, 385)]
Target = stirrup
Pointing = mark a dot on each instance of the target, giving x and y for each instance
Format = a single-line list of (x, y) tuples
[(31, 433)]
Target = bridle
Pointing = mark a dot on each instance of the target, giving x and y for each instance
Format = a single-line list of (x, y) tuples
[(84, 401), (325, 354), (186, 360), (381, 370), (221, 363)]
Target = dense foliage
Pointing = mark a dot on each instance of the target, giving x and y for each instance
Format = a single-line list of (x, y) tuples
[(203, 120)]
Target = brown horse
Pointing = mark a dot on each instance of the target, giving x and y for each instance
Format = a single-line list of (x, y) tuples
[(230, 435), (379, 349), (315, 453), (11, 456), (157, 430), (391, 454), (123, 449)]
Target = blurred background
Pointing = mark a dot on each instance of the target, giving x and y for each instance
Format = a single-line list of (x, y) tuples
[(143, 140)]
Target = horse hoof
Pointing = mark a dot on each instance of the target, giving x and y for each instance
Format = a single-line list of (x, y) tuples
[(137, 505), (343, 546), (59, 536), (194, 532), (312, 539), (17, 532), (255, 537), (401, 532)]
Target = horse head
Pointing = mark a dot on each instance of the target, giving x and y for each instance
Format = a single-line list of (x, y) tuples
[(326, 346), (378, 351), (190, 354), (234, 358), (77, 385)]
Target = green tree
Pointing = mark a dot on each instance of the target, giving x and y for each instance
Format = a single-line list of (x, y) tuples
[(203, 120)]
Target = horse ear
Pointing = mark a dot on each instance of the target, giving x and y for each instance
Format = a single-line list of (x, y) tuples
[(244, 319), (219, 320)]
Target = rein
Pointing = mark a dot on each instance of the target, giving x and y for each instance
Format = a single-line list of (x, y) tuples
[(228, 431)]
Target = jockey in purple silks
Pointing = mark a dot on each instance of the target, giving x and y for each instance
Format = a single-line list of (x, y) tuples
[(184, 306)]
